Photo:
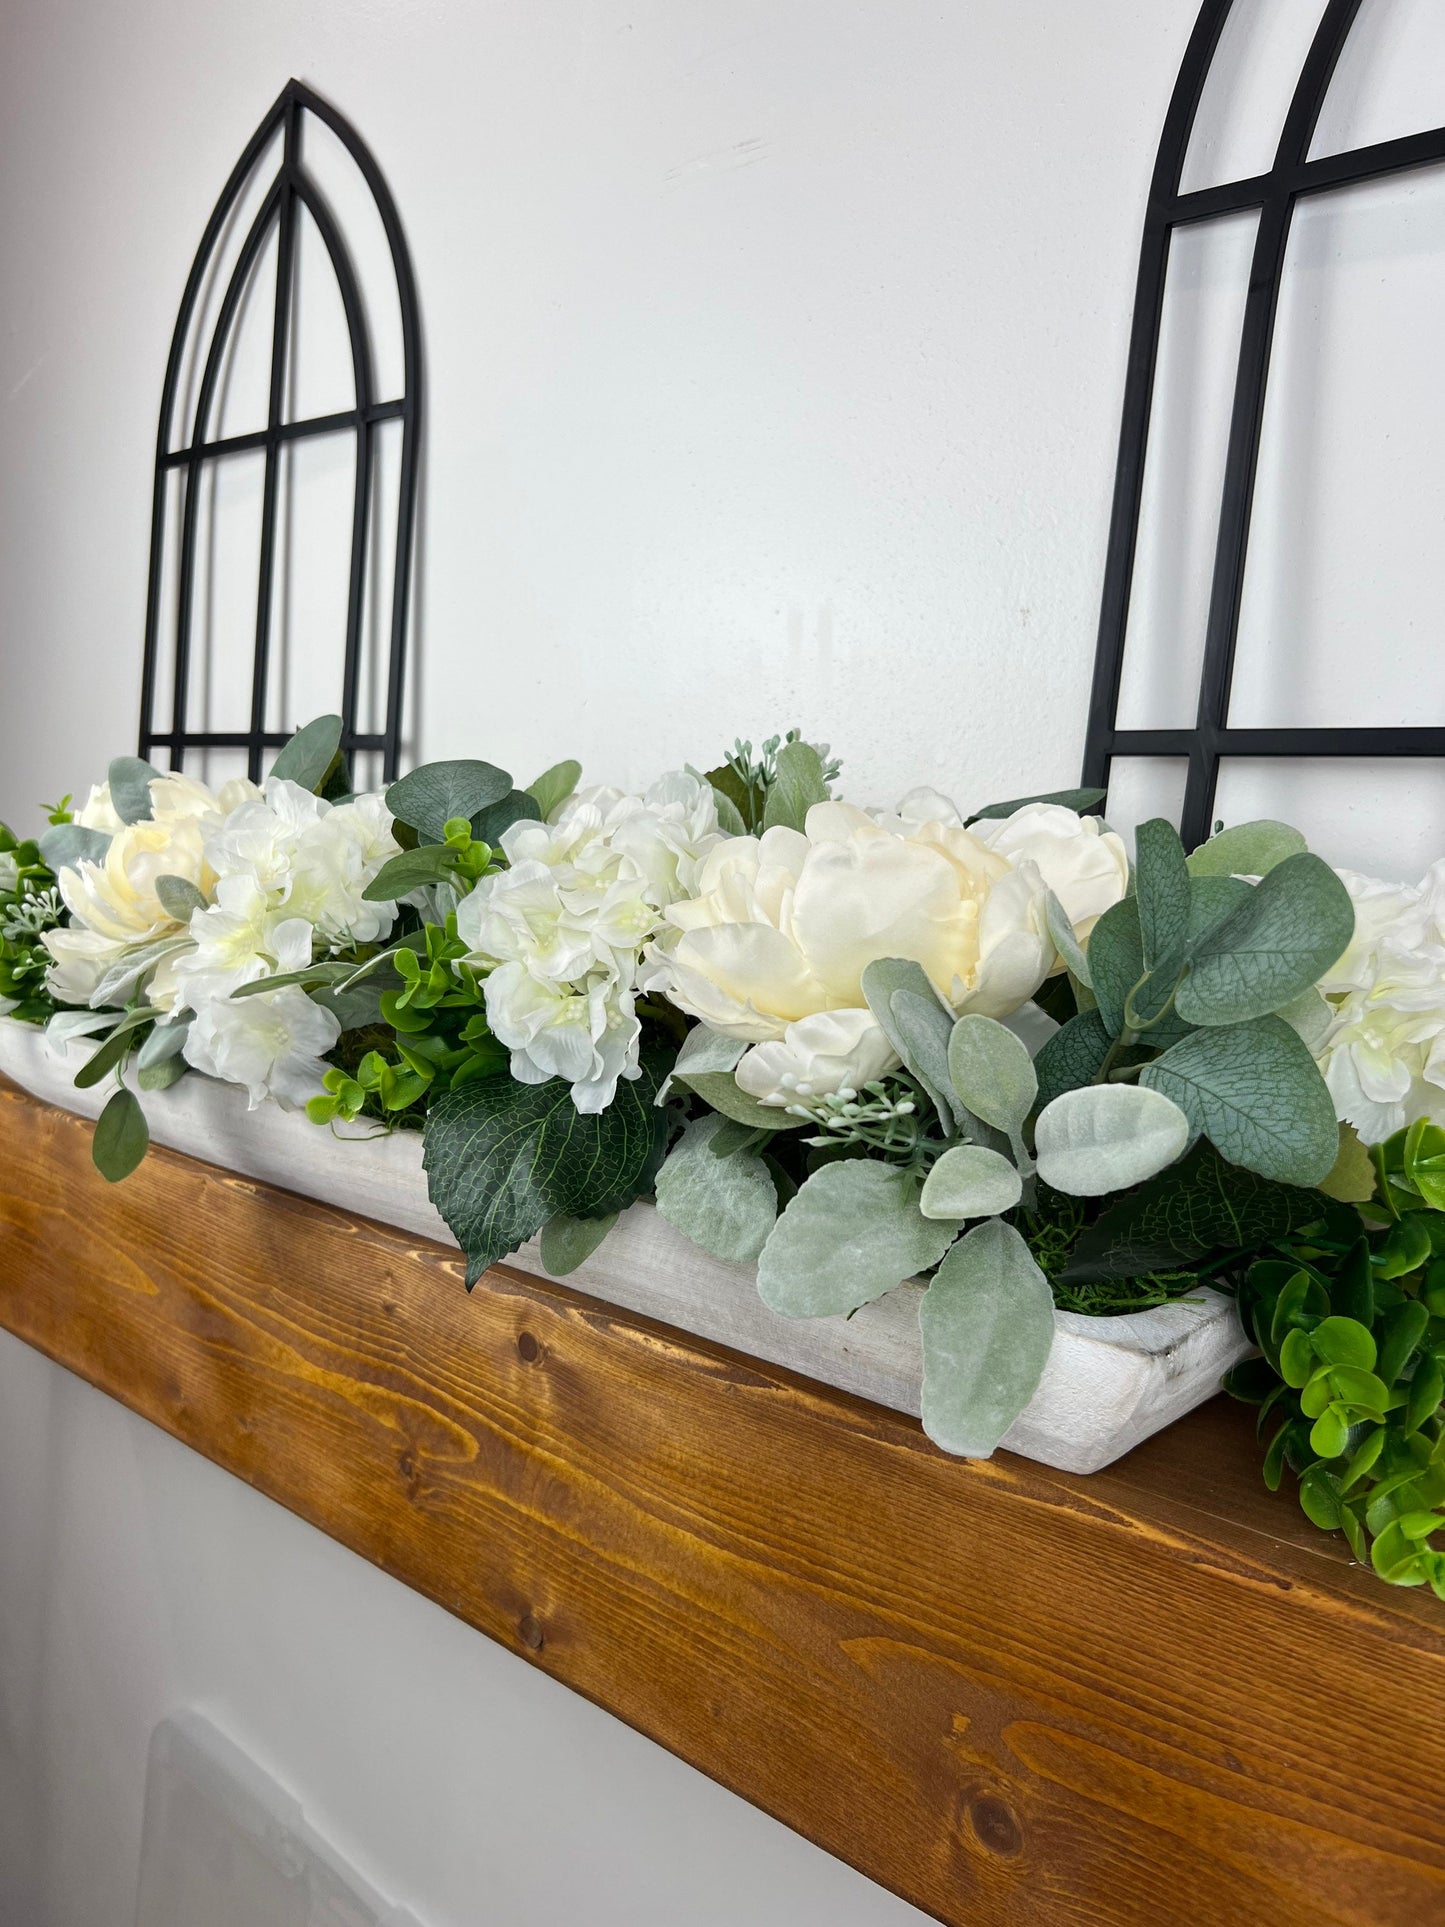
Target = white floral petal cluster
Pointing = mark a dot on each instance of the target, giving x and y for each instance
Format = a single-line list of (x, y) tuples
[(115, 911), (772, 947), (1383, 1055), (289, 874), (561, 933)]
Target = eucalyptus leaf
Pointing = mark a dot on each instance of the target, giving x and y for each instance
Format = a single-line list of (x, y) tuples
[(1107, 1137), (991, 1072), (1061, 932), (720, 1089), (1254, 1091), (431, 796), (969, 1181), (1211, 900), (67, 844), (121, 1137), (568, 1242), (179, 897), (853, 1232), (1073, 1056), (1116, 960), (308, 757), (1163, 892), (726, 1206), (1246, 850), (109, 1053), (411, 870), (917, 1023), (987, 1325), (1297, 921), (796, 787), (1080, 801), (310, 975), (491, 824), (130, 780), (552, 788), (502, 1158)]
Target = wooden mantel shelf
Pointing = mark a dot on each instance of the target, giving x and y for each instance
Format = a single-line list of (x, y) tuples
[(1155, 1695)]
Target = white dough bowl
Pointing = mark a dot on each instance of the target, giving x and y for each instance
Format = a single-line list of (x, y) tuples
[(1109, 1382)]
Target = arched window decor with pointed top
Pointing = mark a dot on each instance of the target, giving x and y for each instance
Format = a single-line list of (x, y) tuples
[(1273, 197), (192, 444)]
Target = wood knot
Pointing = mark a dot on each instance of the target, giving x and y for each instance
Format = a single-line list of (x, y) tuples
[(529, 1348), (531, 1627), (994, 1826)]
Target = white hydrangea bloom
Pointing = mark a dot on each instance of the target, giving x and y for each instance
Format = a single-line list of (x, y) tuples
[(562, 931), (272, 1043), (1383, 1055)]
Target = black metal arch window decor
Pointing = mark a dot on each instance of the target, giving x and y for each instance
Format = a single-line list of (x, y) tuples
[(183, 445), (1274, 194)]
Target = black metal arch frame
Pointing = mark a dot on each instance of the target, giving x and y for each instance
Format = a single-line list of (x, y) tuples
[(292, 186), (1274, 194)]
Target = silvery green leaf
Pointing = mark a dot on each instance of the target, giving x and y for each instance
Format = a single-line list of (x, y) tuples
[(1310, 1017), (308, 757), (796, 787), (1077, 800), (853, 1232), (68, 844), (66, 1024), (1107, 1137), (1162, 889), (121, 1137), (720, 1089), (987, 1324), (568, 1242), (1116, 960), (726, 1206), (729, 816), (992, 1072), (917, 1023), (410, 870), (430, 797), (125, 974), (160, 1077), (969, 1181), (704, 1050), (179, 897), (130, 788), (491, 824), (1246, 850), (1073, 1056), (1296, 922), (1211, 900), (1254, 1091), (554, 786), (1061, 930), (167, 1040)]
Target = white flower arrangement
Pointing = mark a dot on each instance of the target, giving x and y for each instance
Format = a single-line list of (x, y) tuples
[(797, 1022)]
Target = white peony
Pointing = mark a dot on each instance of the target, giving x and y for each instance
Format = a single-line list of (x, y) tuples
[(561, 932), (817, 1056), (784, 925), (1383, 1055), (272, 1043), (1085, 865)]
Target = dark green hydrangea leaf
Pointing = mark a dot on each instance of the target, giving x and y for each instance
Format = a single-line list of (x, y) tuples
[(503, 1158)]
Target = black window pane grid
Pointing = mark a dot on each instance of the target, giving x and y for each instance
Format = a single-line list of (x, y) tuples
[(1273, 196), (292, 189)]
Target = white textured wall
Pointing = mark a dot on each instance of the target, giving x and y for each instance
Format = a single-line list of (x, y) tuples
[(775, 355)]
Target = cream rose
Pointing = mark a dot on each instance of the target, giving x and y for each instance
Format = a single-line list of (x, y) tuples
[(784, 925)]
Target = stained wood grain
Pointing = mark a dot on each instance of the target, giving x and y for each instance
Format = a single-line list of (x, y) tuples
[(1013, 1695)]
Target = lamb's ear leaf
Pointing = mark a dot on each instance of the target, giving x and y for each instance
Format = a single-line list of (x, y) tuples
[(179, 897), (992, 1072), (987, 1323), (308, 758), (917, 1023), (721, 1090), (725, 1205), (130, 779), (68, 844), (853, 1232), (1108, 1137), (969, 1181)]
